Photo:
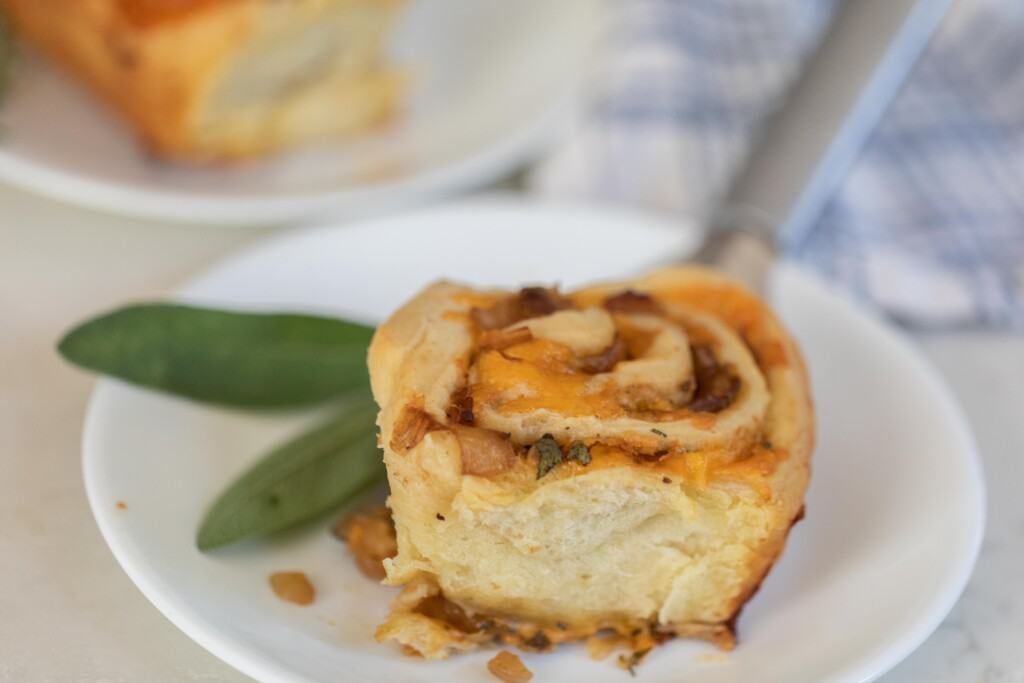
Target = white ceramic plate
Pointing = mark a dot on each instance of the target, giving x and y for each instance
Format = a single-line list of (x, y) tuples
[(492, 79), (894, 514)]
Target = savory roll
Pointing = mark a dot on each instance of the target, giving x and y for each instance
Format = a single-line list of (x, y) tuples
[(625, 458), (221, 79)]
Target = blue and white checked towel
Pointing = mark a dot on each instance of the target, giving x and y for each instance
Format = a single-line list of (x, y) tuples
[(929, 225)]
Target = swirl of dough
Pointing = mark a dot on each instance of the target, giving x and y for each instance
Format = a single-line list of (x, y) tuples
[(631, 453), (645, 402), (653, 378)]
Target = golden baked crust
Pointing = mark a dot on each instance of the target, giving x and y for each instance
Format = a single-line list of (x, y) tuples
[(224, 79), (698, 436)]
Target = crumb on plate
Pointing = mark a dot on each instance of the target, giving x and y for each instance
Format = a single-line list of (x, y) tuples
[(509, 668), (293, 587)]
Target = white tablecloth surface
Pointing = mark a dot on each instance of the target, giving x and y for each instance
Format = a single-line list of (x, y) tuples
[(68, 612)]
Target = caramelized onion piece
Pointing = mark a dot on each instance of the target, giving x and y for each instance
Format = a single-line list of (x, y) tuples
[(607, 359), (537, 301), (632, 302), (442, 609), (461, 409), (530, 302), (371, 540), (502, 339), (717, 385), (687, 389), (501, 314), (410, 428), (509, 668), (484, 451)]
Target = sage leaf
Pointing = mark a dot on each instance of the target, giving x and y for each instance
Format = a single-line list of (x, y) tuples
[(249, 360), (579, 452), (303, 478), (548, 454)]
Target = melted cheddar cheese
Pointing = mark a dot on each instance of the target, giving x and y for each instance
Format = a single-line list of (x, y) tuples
[(539, 375)]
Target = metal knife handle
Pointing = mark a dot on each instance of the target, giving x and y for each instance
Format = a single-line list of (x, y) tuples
[(808, 145)]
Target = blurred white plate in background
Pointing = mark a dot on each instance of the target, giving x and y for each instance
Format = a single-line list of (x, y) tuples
[(491, 82), (894, 512)]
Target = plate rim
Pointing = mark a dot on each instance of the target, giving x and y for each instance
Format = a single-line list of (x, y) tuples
[(869, 666), (241, 211), (486, 163)]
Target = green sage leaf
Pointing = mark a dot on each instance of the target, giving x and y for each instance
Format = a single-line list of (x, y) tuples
[(251, 360), (579, 452), (548, 454), (309, 475)]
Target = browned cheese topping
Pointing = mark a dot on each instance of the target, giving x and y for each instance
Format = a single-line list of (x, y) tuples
[(510, 354)]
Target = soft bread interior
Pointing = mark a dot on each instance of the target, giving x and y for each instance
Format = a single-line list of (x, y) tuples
[(676, 539), (612, 543)]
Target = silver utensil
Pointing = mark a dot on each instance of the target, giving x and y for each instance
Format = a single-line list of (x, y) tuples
[(807, 147)]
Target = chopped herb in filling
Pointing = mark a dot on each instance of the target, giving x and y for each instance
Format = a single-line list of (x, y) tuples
[(548, 454), (579, 452)]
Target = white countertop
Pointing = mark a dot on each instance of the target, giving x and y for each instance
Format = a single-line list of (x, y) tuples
[(70, 613)]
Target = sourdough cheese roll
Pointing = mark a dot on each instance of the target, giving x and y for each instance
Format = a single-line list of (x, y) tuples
[(629, 456), (224, 79)]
